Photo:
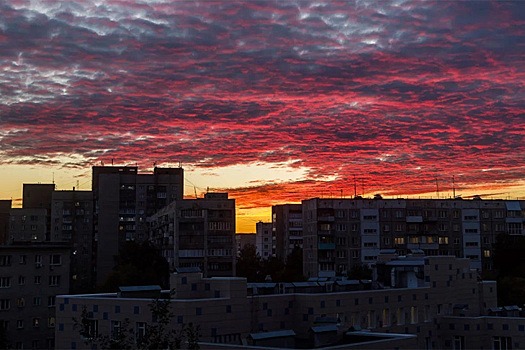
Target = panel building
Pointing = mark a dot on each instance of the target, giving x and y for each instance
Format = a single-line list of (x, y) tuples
[(287, 220), (197, 233), (36, 196), (5, 208), (72, 222), (341, 233), (28, 225), (31, 275), (123, 199), (265, 240)]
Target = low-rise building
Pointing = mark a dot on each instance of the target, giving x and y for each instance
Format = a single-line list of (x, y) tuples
[(410, 296)]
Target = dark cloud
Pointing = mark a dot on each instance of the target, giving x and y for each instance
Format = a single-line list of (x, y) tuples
[(394, 91)]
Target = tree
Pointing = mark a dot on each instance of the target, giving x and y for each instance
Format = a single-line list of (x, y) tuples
[(273, 267), (360, 272), (293, 270), (138, 264), (249, 264), (509, 262)]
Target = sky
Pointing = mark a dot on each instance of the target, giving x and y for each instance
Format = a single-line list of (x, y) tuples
[(272, 101)]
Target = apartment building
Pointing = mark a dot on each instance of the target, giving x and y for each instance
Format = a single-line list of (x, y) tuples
[(287, 220), (197, 233), (28, 225), (38, 196), (341, 233), (31, 275), (265, 240), (72, 222), (410, 296), (123, 199)]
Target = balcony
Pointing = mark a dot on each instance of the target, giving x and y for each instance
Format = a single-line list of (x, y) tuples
[(326, 246)]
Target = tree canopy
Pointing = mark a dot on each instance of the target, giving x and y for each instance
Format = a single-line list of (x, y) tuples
[(138, 264)]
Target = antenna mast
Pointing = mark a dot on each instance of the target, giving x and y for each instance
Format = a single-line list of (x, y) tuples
[(453, 188), (355, 188)]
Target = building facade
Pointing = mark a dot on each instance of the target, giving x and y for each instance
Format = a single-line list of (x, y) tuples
[(287, 220), (265, 240), (197, 233), (341, 233), (412, 297), (28, 225), (123, 199), (72, 222), (5, 209), (31, 275), (38, 196)]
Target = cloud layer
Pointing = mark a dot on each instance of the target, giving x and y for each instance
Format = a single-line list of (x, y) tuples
[(396, 93)]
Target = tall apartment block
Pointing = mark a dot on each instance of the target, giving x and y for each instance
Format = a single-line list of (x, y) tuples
[(197, 233), (287, 220), (265, 240), (31, 276), (341, 233), (35, 196), (72, 221), (123, 199)]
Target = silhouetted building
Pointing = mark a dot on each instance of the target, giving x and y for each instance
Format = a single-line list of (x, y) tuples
[(287, 220), (72, 222), (123, 199), (36, 196), (5, 208), (28, 225), (31, 276), (197, 233)]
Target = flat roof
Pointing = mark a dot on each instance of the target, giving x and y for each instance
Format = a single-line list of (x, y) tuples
[(273, 334)]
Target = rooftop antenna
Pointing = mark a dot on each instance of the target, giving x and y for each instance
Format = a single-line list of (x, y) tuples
[(112, 159), (195, 190), (180, 164), (453, 188), (355, 188), (437, 187), (53, 178)]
